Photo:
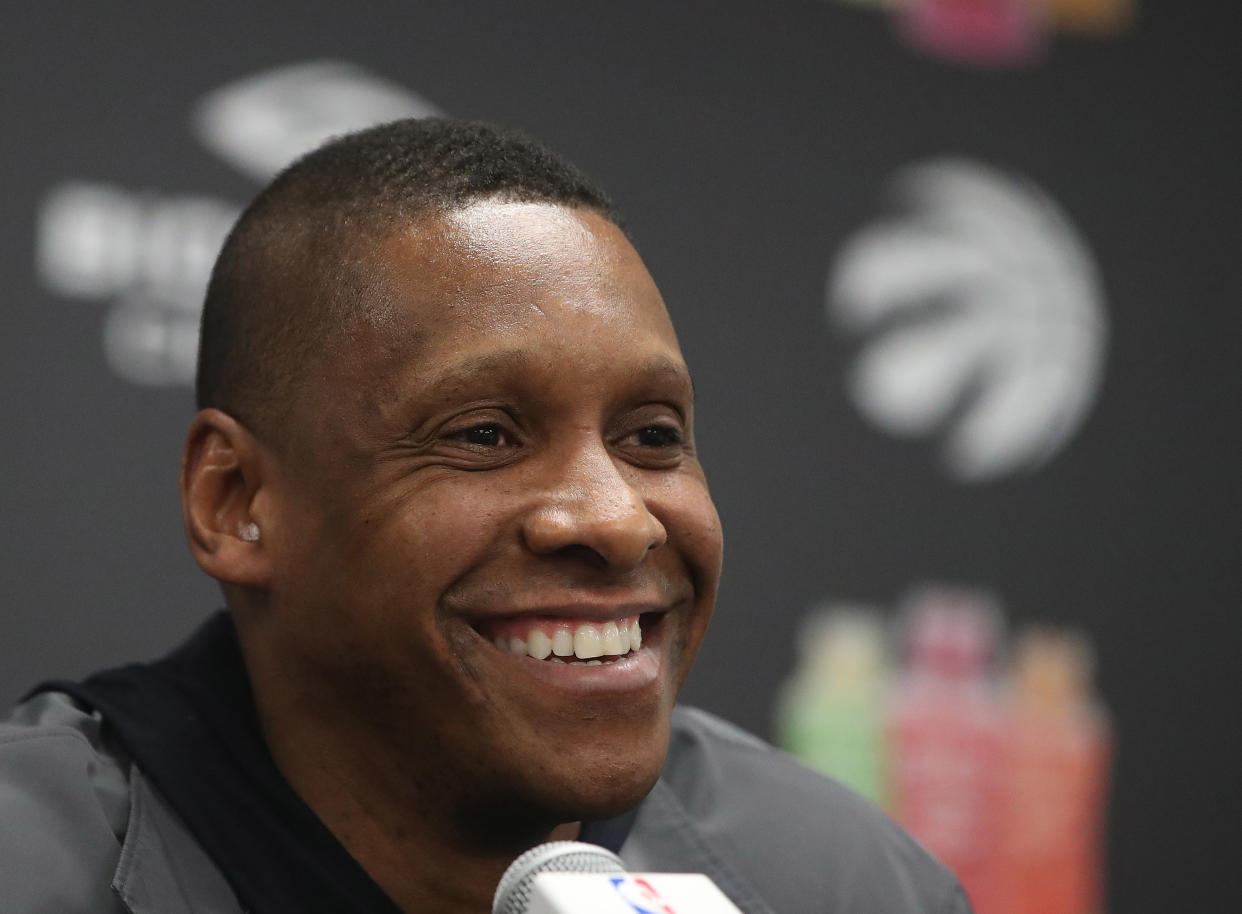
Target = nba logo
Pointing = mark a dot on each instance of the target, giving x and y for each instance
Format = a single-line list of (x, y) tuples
[(640, 895)]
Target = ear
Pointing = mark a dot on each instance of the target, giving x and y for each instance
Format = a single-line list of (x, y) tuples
[(222, 483)]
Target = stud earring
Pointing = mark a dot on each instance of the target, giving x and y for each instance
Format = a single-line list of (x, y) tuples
[(248, 532)]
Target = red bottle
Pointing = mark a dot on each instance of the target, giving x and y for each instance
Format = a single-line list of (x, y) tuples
[(946, 738), (1057, 773), (980, 32)]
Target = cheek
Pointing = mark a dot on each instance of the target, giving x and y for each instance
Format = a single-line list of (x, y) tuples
[(378, 585), (420, 543), (702, 541), (689, 516), (459, 517)]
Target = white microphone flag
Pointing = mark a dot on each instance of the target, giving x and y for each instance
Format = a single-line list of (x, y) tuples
[(627, 893)]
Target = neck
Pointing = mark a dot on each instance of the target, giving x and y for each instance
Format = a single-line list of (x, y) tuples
[(428, 852), (427, 856)]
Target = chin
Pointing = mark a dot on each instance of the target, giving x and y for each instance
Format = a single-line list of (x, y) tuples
[(527, 812), (600, 780), (602, 799)]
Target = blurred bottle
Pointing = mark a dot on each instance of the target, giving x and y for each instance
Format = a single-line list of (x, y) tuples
[(1058, 756), (1100, 17), (830, 712), (983, 32), (947, 726)]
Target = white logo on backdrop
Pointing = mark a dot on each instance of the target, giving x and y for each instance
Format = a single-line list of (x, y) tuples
[(149, 255), (262, 123), (981, 315)]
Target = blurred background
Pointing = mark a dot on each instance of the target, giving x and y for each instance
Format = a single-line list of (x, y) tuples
[(958, 284)]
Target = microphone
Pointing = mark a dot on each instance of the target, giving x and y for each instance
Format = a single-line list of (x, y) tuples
[(569, 877)]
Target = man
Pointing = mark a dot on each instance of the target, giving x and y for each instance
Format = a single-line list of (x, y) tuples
[(444, 470)]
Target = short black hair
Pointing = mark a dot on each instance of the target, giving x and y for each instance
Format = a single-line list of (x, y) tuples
[(293, 270)]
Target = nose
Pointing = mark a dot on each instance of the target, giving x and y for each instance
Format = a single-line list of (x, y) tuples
[(590, 507)]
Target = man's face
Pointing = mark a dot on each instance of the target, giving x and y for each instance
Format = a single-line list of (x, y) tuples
[(496, 467)]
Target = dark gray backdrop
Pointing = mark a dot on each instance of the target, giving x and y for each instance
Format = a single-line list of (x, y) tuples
[(746, 142)]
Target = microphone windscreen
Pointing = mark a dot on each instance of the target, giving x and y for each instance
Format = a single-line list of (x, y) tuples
[(514, 890)]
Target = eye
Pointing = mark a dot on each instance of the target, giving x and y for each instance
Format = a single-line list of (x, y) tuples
[(658, 445), (659, 436), (485, 434)]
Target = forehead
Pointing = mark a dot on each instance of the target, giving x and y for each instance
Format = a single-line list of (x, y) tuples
[(502, 275), (494, 263)]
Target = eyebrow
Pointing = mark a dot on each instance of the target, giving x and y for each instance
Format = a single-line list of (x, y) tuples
[(514, 361)]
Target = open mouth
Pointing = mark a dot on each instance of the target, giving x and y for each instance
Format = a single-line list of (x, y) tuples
[(571, 641)]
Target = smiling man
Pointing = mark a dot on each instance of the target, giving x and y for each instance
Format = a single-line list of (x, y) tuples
[(444, 470)]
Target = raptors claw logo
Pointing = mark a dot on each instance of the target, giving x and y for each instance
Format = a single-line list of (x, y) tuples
[(980, 318)]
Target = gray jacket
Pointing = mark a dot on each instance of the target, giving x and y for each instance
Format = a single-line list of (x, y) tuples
[(82, 831)]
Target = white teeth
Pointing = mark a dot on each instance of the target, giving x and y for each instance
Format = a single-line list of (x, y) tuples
[(587, 642), (563, 642), (540, 645), (610, 639), (584, 641), (595, 663)]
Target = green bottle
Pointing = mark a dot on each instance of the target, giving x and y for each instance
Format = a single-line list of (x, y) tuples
[(830, 714)]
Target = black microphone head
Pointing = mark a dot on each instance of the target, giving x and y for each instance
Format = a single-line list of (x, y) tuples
[(513, 892)]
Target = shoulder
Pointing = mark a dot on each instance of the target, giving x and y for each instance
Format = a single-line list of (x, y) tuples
[(710, 759), (64, 805), (798, 840)]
